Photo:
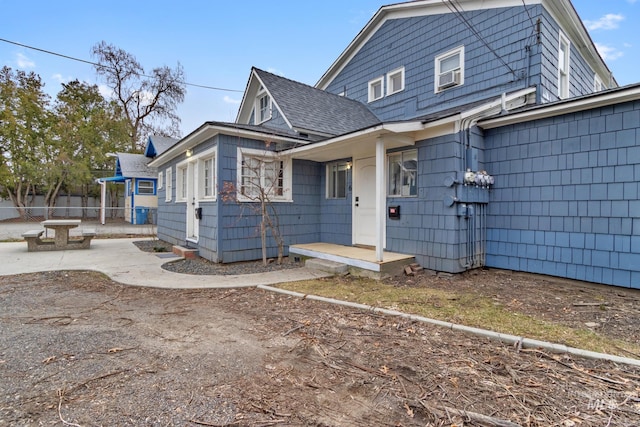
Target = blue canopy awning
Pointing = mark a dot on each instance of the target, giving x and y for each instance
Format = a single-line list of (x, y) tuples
[(112, 179)]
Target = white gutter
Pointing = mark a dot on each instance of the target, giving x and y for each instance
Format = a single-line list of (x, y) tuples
[(572, 106), (520, 342)]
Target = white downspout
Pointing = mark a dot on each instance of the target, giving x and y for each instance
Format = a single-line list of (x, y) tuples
[(380, 199)]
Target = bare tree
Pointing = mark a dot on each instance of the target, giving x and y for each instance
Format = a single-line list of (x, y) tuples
[(149, 102), (261, 183)]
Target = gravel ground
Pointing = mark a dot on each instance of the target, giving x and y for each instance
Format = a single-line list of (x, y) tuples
[(77, 349), (201, 266)]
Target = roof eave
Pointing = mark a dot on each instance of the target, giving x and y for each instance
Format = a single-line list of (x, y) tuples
[(209, 130)]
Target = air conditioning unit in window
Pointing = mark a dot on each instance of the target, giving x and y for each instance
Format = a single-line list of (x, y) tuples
[(448, 79)]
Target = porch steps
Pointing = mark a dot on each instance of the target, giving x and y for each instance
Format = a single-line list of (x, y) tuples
[(185, 253), (328, 266)]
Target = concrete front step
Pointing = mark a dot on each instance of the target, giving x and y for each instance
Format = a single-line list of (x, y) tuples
[(326, 265), (186, 253)]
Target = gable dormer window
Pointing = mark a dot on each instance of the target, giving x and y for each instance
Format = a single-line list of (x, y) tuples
[(263, 107), (449, 68)]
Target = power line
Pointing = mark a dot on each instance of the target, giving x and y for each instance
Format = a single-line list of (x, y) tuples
[(49, 52), (528, 14), (457, 10)]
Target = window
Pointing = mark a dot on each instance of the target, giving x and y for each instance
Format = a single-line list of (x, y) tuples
[(263, 173), (145, 187), (208, 178), (564, 49), (403, 173), (449, 68), (181, 183), (395, 81), (263, 107), (376, 89), (337, 180), (168, 195), (597, 83), (160, 180)]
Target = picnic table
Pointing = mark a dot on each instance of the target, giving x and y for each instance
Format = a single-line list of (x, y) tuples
[(61, 240)]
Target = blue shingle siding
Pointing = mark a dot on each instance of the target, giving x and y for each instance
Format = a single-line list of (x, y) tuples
[(335, 214), (428, 227), (239, 224), (581, 77), (415, 42), (586, 205)]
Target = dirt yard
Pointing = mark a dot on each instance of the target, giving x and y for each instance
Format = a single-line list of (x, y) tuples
[(77, 349)]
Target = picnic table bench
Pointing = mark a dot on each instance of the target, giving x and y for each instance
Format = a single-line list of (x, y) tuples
[(61, 240)]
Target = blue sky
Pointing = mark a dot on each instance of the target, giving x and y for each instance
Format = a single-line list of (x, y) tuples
[(218, 42)]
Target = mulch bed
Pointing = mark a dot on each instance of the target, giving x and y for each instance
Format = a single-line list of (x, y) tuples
[(201, 266)]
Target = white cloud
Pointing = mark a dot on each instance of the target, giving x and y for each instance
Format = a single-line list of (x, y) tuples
[(230, 100), (608, 53), (61, 79), (105, 91), (24, 62), (632, 1), (610, 21)]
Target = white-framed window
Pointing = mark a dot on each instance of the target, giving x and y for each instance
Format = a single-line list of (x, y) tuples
[(145, 187), (395, 81), (376, 89), (597, 83), (263, 106), (337, 180), (261, 173), (207, 175), (168, 195), (403, 174), (160, 180), (449, 69), (564, 68), (181, 182)]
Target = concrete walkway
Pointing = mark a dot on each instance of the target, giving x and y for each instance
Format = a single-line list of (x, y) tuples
[(123, 262)]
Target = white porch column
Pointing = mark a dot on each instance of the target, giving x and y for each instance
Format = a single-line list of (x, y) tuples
[(103, 198), (380, 199)]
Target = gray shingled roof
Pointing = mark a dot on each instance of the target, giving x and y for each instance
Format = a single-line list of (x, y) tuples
[(162, 143), (134, 166), (314, 110)]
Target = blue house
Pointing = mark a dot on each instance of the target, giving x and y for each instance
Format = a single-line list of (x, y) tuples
[(140, 180), (459, 135)]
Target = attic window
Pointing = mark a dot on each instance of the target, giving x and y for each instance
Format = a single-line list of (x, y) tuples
[(395, 81), (449, 68), (376, 89), (263, 107)]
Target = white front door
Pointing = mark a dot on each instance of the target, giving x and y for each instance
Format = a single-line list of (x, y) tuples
[(364, 201), (193, 220)]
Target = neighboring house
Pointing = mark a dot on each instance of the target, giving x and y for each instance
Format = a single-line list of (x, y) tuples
[(140, 180), (465, 134)]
